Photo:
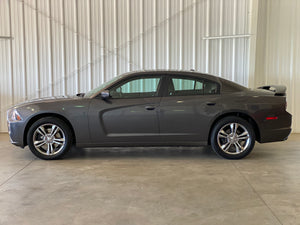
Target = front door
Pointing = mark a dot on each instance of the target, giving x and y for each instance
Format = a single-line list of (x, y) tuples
[(130, 115)]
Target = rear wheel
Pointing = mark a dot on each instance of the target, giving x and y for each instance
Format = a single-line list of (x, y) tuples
[(49, 138), (232, 138)]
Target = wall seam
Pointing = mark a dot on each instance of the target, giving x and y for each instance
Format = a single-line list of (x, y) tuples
[(24, 52), (11, 53)]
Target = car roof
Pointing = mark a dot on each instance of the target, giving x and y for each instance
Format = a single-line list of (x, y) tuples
[(172, 72)]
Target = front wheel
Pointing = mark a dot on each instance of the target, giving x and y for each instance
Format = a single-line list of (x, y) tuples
[(49, 138), (232, 138)]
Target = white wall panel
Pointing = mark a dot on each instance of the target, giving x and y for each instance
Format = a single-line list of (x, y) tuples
[(6, 90), (18, 75), (123, 51), (45, 48), (58, 47), (278, 50), (97, 42), (200, 27), (71, 46), (162, 34), (31, 46), (84, 45), (149, 36), (61, 47)]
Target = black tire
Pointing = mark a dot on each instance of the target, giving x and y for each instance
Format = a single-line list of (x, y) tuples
[(231, 134), (49, 138)]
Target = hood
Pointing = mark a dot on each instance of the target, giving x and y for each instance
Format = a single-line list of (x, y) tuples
[(46, 100)]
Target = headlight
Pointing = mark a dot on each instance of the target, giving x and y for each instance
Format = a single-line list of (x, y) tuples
[(13, 116)]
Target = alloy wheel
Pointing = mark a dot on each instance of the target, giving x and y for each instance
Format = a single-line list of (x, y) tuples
[(49, 139), (233, 138)]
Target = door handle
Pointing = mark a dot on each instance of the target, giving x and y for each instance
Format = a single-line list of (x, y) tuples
[(150, 107), (210, 103)]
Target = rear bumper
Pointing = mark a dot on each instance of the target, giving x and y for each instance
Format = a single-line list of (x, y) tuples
[(275, 135), (277, 130)]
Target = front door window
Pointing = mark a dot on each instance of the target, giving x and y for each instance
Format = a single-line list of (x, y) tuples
[(137, 88)]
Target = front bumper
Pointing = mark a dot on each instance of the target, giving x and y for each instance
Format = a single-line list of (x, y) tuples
[(16, 131)]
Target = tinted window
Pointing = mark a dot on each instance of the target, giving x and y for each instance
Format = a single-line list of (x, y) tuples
[(186, 84), (190, 86), (210, 88), (137, 88), (97, 89)]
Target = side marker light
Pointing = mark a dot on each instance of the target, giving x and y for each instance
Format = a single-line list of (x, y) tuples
[(272, 118)]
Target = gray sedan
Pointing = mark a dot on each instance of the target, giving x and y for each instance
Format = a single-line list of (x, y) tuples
[(154, 108)]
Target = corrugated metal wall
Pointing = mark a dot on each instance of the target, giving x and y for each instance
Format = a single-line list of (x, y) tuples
[(278, 50), (61, 47)]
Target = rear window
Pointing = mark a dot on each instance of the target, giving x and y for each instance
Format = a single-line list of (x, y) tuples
[(191, 86)]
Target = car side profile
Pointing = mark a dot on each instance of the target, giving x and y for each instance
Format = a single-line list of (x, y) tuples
[(154, 108)]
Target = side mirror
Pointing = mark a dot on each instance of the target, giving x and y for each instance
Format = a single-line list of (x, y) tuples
[(105, 94)]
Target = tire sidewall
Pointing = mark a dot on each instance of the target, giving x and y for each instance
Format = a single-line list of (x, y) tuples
[(219, 125), (58, 122)]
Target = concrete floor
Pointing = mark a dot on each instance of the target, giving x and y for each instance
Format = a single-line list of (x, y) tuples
[(151, 186)]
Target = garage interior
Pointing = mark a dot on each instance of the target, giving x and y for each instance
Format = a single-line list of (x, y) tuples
[(63, 47)]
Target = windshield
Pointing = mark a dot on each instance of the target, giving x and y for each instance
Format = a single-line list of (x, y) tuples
[(97, 89)]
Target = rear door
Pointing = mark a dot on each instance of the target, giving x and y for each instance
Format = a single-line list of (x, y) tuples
[(187, 108)]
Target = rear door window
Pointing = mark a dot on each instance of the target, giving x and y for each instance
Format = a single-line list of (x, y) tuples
[(191, 86)]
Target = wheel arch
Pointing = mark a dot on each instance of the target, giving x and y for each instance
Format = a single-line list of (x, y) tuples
[(242, 115), (39, 116)]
